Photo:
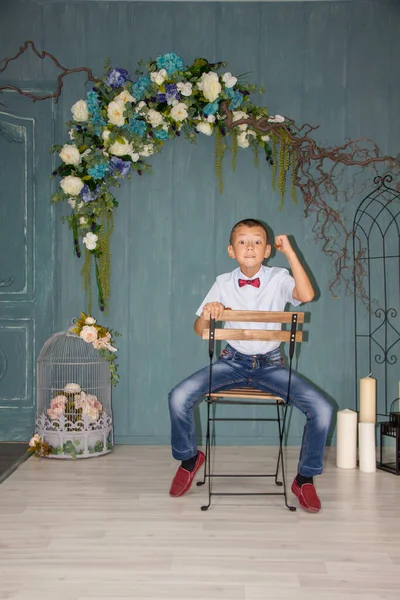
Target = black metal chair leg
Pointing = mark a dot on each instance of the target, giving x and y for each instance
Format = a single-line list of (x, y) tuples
[(207, 461), (289, 506), (277, 482)]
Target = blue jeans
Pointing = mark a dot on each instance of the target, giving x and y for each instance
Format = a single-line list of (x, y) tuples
[(261, 371)]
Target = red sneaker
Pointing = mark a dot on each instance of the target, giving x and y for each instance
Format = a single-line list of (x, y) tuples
[(307, 495), (183, 479)]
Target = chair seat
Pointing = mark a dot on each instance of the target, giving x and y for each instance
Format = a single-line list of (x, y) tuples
[(248, 393)]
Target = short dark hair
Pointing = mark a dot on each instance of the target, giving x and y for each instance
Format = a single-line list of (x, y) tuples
[(248, 223)]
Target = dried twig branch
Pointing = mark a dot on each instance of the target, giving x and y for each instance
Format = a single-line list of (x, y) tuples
[(29, 44)]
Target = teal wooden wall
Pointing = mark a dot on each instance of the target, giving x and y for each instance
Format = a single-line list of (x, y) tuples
[(332, 64)]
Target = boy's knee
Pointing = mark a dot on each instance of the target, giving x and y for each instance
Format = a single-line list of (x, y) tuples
[(325, 414)]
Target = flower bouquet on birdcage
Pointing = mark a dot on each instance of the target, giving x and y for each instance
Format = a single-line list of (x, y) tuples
[(101, 339), (73, 403)]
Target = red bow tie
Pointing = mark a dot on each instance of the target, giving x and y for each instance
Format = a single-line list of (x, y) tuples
[(254, 282)]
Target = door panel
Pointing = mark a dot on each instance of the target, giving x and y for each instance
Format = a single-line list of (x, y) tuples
[(26, 257)]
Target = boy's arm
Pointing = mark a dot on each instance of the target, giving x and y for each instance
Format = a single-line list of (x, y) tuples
[(213, 310), (303, 290)]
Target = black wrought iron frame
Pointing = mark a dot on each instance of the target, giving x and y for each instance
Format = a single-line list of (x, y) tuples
[(388, 199)]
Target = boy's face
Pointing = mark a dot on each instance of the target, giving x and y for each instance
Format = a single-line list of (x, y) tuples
[(249, 248)]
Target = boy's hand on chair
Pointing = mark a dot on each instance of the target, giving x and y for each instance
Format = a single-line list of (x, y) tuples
[(213, 310), (282, 244)]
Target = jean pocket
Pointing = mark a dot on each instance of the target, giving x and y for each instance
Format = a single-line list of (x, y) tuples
[(275, 359)]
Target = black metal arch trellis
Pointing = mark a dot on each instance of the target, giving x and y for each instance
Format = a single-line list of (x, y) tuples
[(376, 230)]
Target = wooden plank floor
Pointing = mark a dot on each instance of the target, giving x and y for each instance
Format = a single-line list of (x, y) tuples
[(106, 528)]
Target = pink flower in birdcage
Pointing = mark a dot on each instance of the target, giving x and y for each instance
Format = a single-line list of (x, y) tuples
[(88, 333), (57, 406)]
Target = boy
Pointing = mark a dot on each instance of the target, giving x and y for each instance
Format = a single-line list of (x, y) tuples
[(252, 286)]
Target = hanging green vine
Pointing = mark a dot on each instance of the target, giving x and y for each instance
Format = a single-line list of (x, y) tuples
[(219, 157)]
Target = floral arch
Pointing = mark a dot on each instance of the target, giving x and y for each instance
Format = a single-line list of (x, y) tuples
[(122, 123)]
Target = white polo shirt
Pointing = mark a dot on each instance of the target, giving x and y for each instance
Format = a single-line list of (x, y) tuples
[(275, 291)]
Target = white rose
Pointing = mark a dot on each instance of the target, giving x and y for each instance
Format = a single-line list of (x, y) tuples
[(71, 185), (243, 138), (72, 388), (179, 112), (90, 321), (159, 77), (239, 114), (124, 97), (276, 119), (106, 134), (34, 439), (229, 80), (154, 117), (121, 148), (204, 127), (115, 112), (184, 88), (210, 86), (90, 240), (134, 156), (80, 111), (265, 138), (147, 150), (88, 333)]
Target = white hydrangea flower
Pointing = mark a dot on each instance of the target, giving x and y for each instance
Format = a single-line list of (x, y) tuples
[(179, 112), (210, 86), (140, 106), (90, 241), (211, 118), (159, 77), (147, 150), (204, 127), (70, 154), (229, 80), (115, 112), (71, 185), (80, 111), (184, 88), (276, 119), (72, 388)]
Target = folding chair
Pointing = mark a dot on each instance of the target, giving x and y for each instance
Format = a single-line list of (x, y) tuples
[(247, 395)]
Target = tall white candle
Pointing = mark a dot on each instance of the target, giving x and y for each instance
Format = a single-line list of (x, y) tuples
[(367, 400), (366, 447), (346, 439)]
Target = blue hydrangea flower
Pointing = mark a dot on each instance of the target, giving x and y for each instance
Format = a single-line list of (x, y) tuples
[(98, 171), (161, 134), (236, 98), (171, 94), (140, 86), (211, 108), (87, 195), (137, 127), (117, 77), (120, 166), (170, 62)]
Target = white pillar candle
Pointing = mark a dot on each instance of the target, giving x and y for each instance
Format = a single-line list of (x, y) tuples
[(346, 439), (367, 400), (366, 447)]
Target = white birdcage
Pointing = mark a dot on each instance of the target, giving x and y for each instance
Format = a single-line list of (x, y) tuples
[(73, 398)]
